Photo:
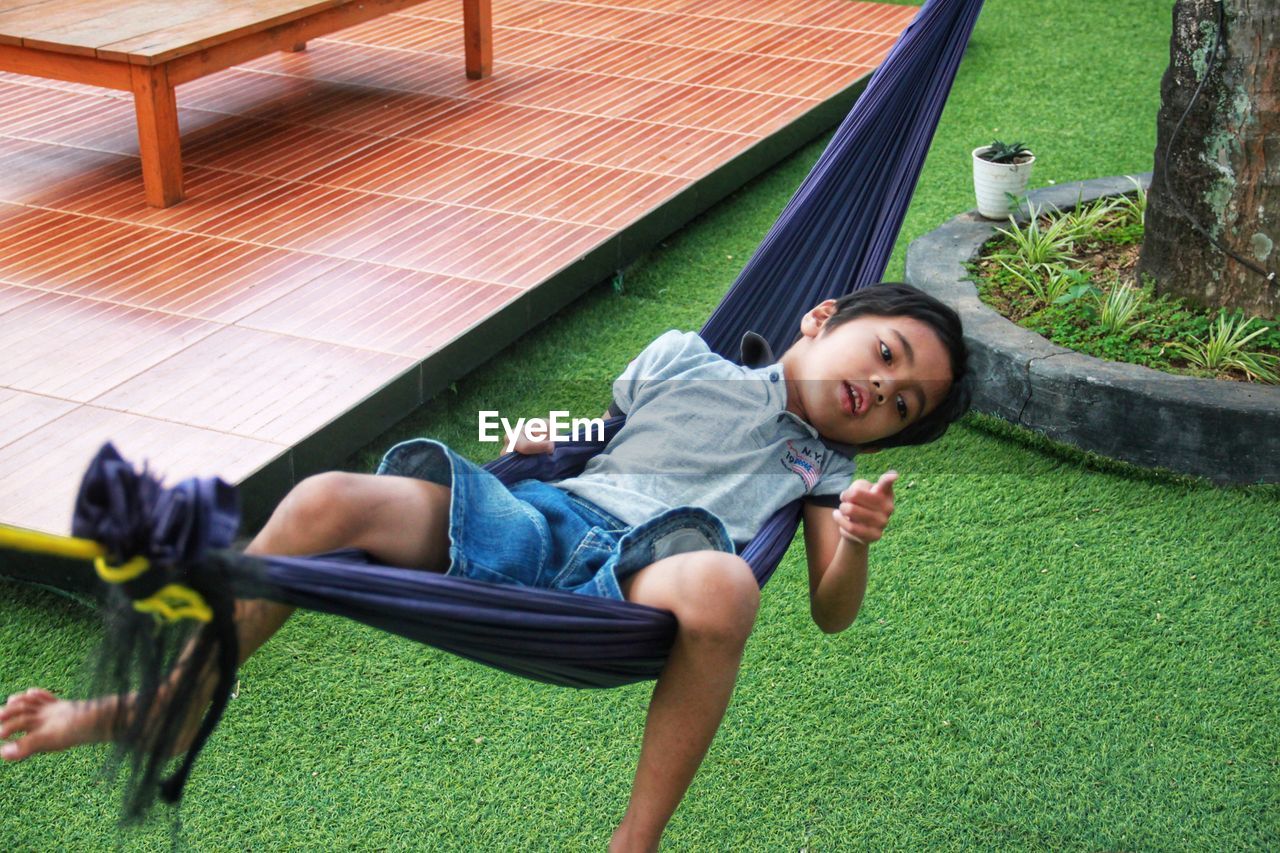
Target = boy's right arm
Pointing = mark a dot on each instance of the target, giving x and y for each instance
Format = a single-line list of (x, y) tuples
[(836, 545)]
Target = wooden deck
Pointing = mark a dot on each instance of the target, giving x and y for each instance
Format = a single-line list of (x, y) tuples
[(363, 224)]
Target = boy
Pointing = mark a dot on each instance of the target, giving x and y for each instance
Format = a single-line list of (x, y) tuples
[(880, 367)]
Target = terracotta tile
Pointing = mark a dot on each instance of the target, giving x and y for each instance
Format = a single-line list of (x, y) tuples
[(22, 414), (570, 192), (884, 18), (381, 308), (12, 296), (63, 86), (42, 245), (406, 32), (375, 67), (717, 109), (811, 43), (197, 276), (651, 147), (242, 91), (273, 148), (419, 170), (495, 126), (40, 472), (568, 18), (255, 384), (342, 223), (210, 193), (491, 247), (74, 349), (547, 188), (39, 173), (321, 103)]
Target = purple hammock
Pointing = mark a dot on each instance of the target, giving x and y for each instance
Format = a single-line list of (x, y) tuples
[(834, 236)]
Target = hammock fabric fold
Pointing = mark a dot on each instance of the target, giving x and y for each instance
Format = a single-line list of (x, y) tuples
[(834, 236)]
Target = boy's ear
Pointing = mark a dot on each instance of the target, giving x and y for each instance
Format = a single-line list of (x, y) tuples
[(817, 317)]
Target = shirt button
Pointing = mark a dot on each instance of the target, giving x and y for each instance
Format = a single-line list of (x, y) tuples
[(773, 377)]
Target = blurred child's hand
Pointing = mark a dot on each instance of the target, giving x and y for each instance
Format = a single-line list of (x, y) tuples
[(865, 509), (528, 447)]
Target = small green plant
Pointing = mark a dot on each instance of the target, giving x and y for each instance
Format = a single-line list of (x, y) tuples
[(1078, 290), (1000, 152), (1036, 246), (1225, 348), (1116, 309), (1133, 208), (1086, 219), (1049, 283)]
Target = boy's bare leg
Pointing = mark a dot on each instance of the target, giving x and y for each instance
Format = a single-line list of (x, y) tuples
[(714, 598), (400, 521)]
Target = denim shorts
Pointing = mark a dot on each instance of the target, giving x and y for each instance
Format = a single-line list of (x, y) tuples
[(534, 534)]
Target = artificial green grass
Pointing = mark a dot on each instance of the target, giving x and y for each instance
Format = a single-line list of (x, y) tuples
[(1055, 651)]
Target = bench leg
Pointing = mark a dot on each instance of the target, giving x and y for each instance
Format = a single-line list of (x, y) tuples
[(477, 26), (158, 141)]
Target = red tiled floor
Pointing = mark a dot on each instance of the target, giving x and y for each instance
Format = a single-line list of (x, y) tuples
[(23, 414), (74, 349), (354, 208), (40, 471), (255, 384), (382, 308)]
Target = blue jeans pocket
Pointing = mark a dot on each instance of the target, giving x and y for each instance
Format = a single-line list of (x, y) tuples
[(592, 552)]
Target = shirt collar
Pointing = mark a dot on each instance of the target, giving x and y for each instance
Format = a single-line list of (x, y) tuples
[(754, 351)]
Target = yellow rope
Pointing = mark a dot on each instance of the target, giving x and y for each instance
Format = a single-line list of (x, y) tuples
[(34, 542), (174, 602), (170, 603), (120, 574)]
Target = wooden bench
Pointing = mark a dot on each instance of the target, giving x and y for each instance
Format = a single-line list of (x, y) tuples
[(150, 46)]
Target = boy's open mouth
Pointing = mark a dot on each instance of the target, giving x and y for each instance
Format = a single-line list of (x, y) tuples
[(852, 400)]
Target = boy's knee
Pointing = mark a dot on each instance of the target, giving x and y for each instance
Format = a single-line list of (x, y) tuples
[(723, 598), (323, 505)]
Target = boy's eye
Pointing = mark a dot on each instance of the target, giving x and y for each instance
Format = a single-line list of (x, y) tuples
[(885, 353), (902, 408)]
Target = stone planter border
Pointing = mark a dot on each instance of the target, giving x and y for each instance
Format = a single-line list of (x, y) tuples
[(1226, 431)]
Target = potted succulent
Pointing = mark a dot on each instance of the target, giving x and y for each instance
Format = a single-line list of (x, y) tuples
[(1000, 175)]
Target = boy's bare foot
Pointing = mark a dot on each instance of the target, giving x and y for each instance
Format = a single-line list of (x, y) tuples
[(45, 723)]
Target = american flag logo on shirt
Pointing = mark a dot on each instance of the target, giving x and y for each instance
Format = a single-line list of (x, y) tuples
[(801, 460)]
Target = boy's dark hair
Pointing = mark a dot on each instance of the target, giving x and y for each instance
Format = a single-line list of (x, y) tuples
[(893, 299)]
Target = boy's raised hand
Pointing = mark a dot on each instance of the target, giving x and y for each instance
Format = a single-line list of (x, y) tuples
[(528, 447), (865, 509)]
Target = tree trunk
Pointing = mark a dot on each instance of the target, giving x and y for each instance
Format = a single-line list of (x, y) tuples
[(1225, 163)]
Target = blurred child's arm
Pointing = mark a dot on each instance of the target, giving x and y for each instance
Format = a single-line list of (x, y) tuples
[(836, 544)]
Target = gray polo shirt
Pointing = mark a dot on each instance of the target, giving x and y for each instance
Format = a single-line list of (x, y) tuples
[(703, 431)]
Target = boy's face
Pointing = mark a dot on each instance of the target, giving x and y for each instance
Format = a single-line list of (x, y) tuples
[(867, 378)]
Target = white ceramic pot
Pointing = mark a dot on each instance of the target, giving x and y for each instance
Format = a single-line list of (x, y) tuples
[(993, 183)]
